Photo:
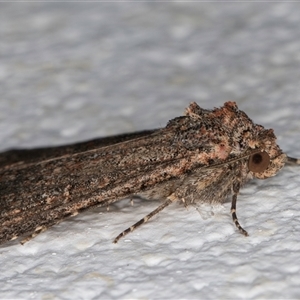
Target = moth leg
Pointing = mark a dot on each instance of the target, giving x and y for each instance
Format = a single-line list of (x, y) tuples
[(233, 212), (37, 231), (144, 220)]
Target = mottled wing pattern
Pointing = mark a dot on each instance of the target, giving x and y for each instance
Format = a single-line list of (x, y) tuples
[(202, 156)]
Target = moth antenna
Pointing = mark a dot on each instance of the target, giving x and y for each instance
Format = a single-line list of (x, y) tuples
[(232, 160), (143, 220), (293, 161)]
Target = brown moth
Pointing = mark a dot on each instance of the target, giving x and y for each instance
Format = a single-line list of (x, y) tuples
[(204, 156)]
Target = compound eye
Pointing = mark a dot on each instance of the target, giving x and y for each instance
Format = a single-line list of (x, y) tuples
[(258, 162)]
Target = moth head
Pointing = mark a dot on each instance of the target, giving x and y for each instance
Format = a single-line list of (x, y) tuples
[(269, 158), (262, 165)]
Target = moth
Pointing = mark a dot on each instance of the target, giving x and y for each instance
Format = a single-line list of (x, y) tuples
[(203, 156)]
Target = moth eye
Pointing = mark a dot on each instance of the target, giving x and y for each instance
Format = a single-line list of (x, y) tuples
[(258, 162)]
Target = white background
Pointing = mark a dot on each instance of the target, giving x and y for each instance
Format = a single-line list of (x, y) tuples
[(74, 71)]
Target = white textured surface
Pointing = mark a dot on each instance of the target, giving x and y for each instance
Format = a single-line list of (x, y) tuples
[(74, 71)]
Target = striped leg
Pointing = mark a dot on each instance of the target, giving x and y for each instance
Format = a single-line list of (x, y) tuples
[(37, 231), (144, 220), (233, 213)]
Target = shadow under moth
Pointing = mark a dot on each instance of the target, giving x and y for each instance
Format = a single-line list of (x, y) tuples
[(204, 156)]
